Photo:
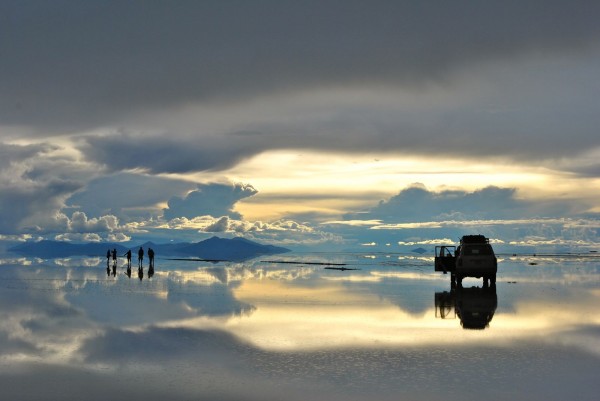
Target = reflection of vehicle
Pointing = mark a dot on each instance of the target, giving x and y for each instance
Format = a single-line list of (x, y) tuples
[(474, 257), (474, 306)]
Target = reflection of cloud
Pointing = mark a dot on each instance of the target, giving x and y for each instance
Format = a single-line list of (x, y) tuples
[(306, 336), (78, 262), (555, 241)]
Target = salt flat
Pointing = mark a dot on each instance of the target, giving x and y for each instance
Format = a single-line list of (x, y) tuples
[(291, 329)]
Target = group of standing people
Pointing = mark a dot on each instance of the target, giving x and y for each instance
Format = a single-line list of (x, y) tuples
[(113, 254)]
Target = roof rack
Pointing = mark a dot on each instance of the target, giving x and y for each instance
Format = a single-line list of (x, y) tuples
[(474, 239)]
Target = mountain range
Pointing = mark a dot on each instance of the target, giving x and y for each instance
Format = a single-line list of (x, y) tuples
[(215, 248)]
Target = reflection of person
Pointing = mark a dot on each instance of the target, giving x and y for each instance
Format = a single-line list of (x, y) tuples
[(140, 256), (151, 257), (114, 257), (107, 258)]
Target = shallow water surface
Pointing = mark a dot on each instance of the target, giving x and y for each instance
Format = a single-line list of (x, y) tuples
[(296, 327)]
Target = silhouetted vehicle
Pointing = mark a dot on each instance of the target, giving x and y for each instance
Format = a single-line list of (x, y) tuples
[(474, 257), (475, 306)]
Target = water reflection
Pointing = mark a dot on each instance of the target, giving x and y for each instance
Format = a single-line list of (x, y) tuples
[(257, 330), (475, 306)]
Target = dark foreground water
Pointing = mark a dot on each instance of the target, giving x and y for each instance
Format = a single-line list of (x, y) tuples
[(259, 330)]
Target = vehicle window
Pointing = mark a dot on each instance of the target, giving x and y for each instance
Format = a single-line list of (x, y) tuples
[(475, 250)]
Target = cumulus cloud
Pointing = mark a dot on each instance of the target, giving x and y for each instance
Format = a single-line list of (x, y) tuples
[(280, 232), (35, 180), (209, 199), (80, 223), (220, 225), (416, 205), (86, 237), (92, 237), (27, 207), (128, 196), (417, 216)]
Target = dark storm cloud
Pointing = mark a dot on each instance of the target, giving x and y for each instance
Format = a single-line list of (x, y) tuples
[(70, 65), (166, 153), (18, 153), (209, 199)]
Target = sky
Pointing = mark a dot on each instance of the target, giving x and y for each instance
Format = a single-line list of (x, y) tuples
[(313, 125)]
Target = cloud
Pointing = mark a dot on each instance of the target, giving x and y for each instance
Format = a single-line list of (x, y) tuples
[(202, 86), (87, 237), (167, 152), (209, 199), (128, 196), (221, 225), (10, 154), (418, 216), (35, 180), (417, 204), (27, 208), (94, 63), (282, 232)]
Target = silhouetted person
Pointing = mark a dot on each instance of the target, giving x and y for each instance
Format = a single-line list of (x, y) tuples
[(140, 257), (151, 257), (114, 257), (128, 255), (107, 270), (114, 271), (108, 258)]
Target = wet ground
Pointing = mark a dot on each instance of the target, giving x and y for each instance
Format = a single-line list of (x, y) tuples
[(346, 326)]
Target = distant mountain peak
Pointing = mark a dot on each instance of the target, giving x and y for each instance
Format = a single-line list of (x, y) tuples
[(234, 249)]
